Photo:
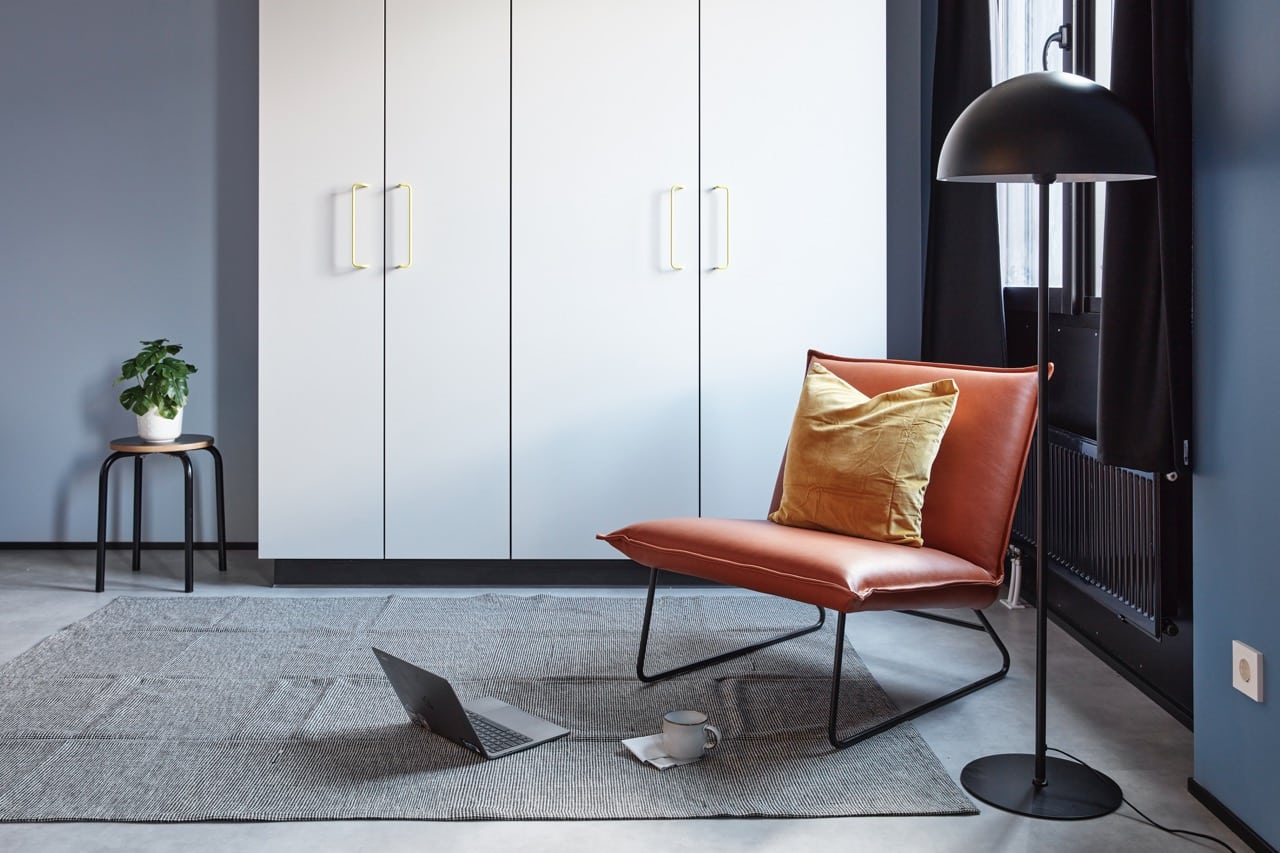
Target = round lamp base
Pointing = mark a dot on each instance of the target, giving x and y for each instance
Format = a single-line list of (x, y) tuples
[(1073, 792)]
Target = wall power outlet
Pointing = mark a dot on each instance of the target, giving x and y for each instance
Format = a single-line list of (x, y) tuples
[(1246, 670)]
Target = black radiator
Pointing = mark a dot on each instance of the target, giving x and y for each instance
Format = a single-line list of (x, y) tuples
[(1105, 532)]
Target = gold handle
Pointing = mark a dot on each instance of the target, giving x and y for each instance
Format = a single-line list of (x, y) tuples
[(726, 225), (355, 187), (671, 223), (409, 262)]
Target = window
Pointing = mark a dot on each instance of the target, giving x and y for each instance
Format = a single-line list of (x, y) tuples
[(1020, 34)]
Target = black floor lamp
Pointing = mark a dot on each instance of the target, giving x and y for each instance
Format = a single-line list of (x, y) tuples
[(1039, 128)]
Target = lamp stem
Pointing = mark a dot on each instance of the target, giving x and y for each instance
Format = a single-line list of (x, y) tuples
[(1042, 471), (1076, 792)]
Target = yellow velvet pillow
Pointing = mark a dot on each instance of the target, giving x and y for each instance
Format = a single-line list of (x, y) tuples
[(859, 465)]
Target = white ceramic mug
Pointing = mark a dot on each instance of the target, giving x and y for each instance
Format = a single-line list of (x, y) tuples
[(687, 734)]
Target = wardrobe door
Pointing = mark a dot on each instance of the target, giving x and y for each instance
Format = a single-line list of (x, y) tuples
[(320, 279), (447, 279), (793, 240), (604, 327)]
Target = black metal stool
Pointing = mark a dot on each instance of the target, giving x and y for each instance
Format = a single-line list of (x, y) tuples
[(138, 448)]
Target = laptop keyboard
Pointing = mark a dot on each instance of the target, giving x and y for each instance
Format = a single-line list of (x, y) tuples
[(494, 737)]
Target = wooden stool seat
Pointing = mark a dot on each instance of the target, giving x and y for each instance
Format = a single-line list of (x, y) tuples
[(139, 448), (186, 441)]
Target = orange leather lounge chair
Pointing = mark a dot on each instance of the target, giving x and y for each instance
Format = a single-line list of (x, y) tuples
[(965, 523)]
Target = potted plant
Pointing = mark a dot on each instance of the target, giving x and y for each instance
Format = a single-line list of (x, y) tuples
[(161, 391)]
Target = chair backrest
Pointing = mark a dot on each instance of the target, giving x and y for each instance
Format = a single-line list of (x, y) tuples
[(973, 487)]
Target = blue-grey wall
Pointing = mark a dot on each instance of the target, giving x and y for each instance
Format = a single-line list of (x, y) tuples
[(1236, 140), (128, 158)]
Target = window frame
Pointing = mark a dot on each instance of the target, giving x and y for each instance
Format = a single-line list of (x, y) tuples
[(1079, 200), (1080, 292)]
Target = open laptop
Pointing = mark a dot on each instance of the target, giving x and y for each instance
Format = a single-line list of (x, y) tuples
[(488, 726)]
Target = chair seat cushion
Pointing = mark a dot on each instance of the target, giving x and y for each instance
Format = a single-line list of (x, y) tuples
[(831, 570)]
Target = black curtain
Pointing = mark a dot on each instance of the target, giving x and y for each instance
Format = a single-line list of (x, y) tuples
[(1144, 367), (963, 311)]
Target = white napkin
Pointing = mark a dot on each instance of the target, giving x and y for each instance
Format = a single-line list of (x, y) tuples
[(649, 750)]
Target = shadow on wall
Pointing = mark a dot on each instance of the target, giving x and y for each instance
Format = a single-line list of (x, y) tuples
[(236, 259), (99, 405)]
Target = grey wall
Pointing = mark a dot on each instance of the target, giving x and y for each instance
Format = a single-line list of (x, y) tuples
[(1236, 137), (128, 158)]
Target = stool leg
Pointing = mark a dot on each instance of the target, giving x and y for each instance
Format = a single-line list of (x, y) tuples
[(101, 583), (190, 522), (137, 513), (222, 512)]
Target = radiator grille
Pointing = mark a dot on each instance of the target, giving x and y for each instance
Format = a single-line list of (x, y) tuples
[(1103, 529)]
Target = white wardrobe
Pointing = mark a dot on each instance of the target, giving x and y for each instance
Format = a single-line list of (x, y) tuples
[(384, 278), (534, 269)]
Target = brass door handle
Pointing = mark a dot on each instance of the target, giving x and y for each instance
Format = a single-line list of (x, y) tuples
[(409, 262), (725, 266), (354, 263), (671, 227)]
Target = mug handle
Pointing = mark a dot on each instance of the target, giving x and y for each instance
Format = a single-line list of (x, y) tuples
[(715, 738)]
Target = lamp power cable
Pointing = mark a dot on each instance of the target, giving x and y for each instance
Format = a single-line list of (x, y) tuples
[(1062, 37), (1182, 832)]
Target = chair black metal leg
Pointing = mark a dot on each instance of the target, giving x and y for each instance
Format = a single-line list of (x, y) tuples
[(137, 513), (188, 505), (681, 670), (901, 717), (103, 477), (222, 511)]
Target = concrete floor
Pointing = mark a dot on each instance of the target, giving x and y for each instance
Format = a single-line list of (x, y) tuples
[(1093, 713)]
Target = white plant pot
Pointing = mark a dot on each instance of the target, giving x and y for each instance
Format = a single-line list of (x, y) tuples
[(154, 429)]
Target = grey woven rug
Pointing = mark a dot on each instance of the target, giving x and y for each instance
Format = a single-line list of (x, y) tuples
[(182, 709)]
